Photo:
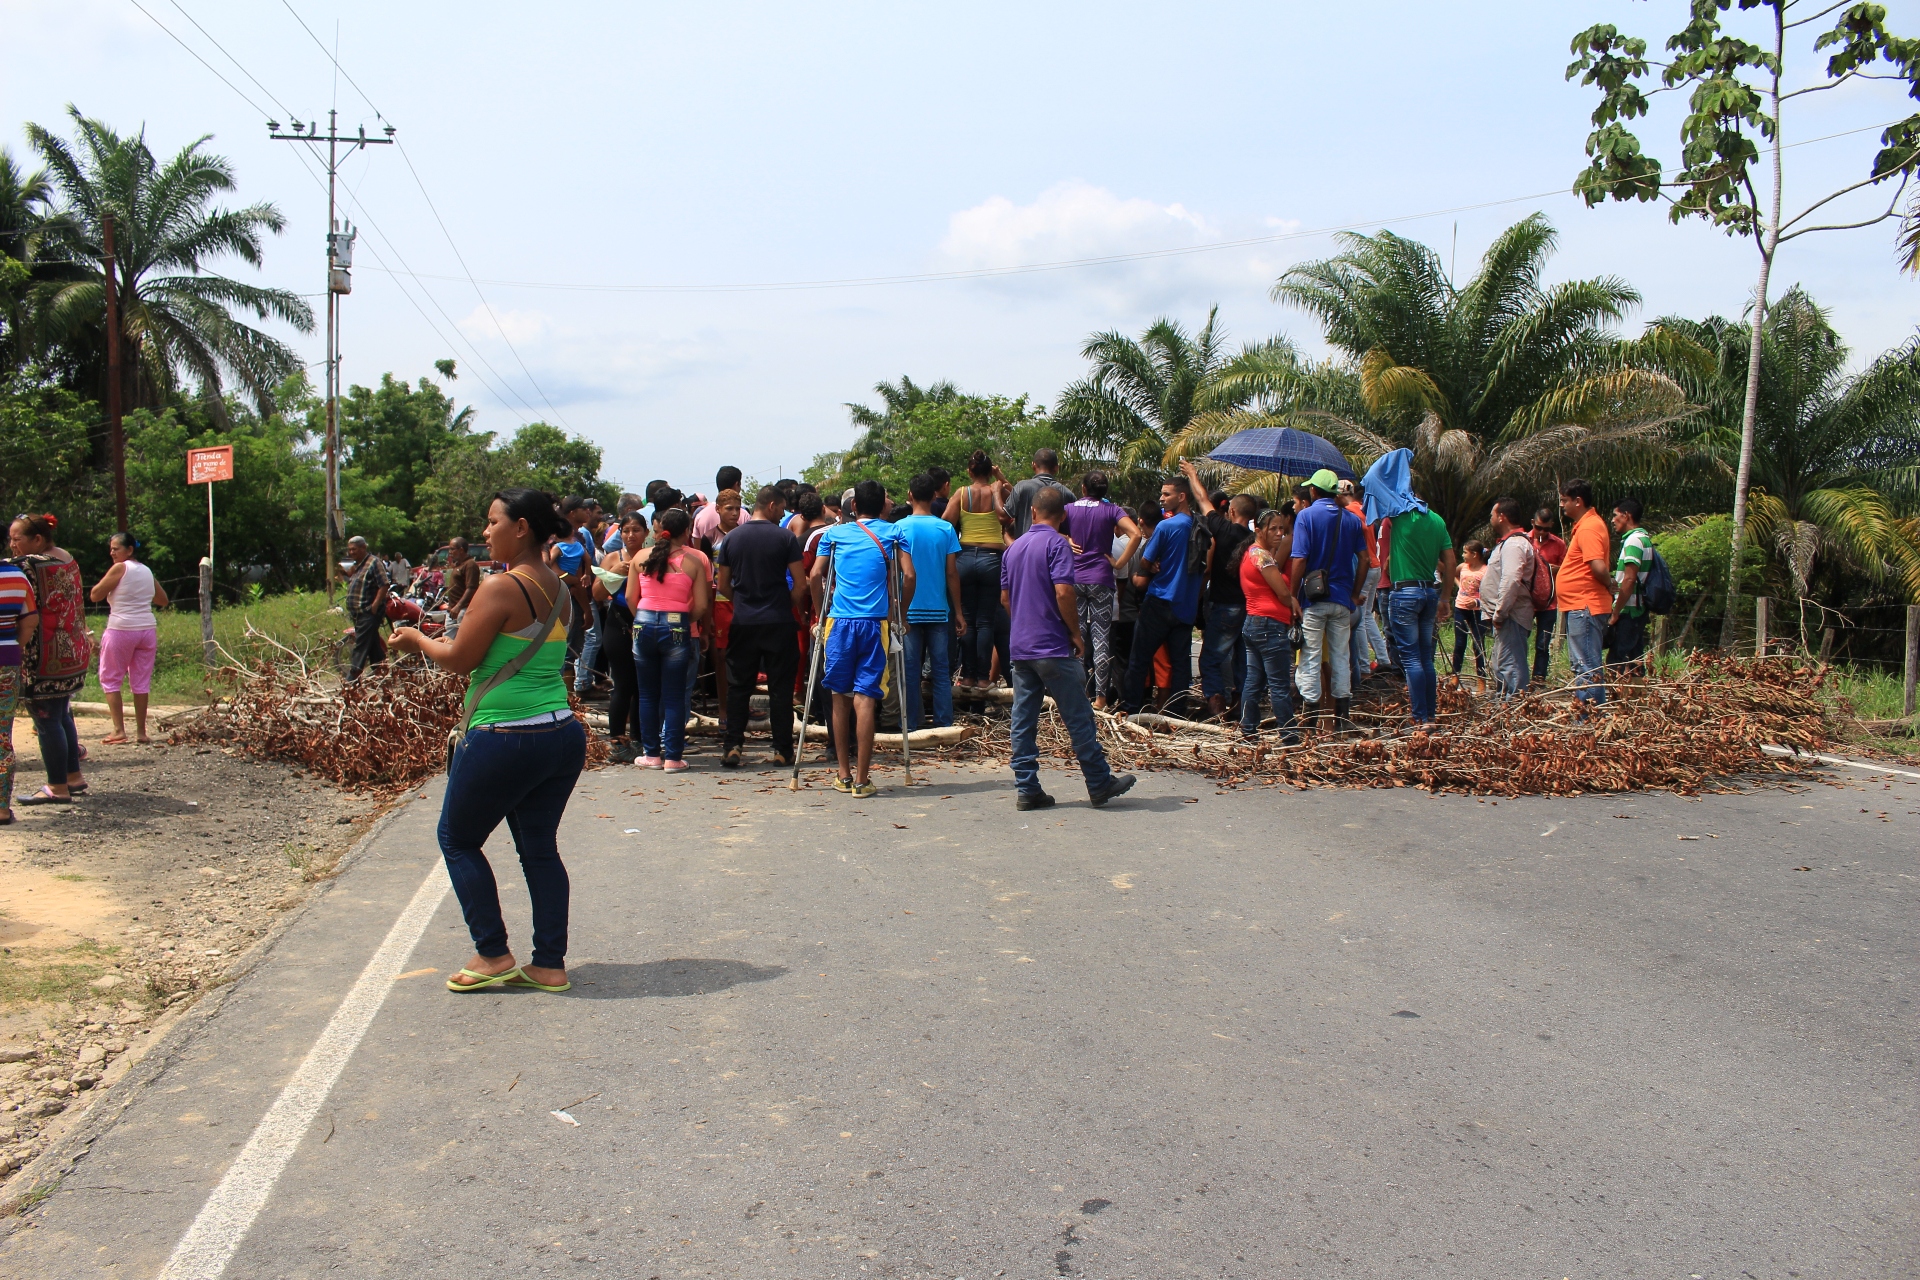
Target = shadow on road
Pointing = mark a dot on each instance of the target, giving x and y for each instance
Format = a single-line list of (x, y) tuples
[(605, 980)]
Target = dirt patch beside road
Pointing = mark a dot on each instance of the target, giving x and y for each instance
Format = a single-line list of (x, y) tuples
[(116, 911)]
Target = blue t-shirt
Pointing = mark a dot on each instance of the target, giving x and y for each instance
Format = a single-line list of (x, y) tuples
[(930, 540), (1328, 536), (859, 567), (572, 556), (1168, 548)]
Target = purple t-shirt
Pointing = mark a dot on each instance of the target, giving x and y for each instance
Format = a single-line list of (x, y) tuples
[(1090, 523), (1037, 561)]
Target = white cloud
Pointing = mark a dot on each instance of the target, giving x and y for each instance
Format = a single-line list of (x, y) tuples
[(1074, 220)]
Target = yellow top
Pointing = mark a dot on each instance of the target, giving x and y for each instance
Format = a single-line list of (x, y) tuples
[(979, 528)]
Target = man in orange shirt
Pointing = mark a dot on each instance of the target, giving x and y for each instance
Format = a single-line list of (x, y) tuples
[(1584, 590)]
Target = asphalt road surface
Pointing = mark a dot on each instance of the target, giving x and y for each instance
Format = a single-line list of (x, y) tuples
[(1268, 1033)]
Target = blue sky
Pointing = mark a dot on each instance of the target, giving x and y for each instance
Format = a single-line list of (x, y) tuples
[(643, 144)]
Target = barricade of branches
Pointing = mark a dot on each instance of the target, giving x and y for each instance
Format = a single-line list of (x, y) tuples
[(385, 731), (1698, 730)]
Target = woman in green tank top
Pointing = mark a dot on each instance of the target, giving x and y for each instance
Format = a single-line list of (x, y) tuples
[(523, 749)]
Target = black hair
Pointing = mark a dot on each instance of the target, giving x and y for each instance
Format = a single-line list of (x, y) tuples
[(1050, 501), (654, 486), (790, 489), (1511, 509), (572, 503), (768, 495), (1578, 489), (1631, 506), (1094, 484), (727, 478), (635, 516), (809, 506), (135, 550), (923, 487), (980, 465), (830, 498), (1246, 506), (1046, 459), (672, 523), (538, 508), (1545, 513), (868, 498), (666, 496), (1475, 547), (898, 512), (941, 477), (1272, 515)]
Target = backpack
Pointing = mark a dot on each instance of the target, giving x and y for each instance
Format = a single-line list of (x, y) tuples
[(1542, 591), (1658, 593), (1199, 542)]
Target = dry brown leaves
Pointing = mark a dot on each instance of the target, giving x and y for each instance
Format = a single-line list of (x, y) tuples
[(386, 731), (1693, 732)]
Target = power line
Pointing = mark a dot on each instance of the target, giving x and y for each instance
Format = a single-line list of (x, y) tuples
[(331, 58), (284, 108), (202, 61)]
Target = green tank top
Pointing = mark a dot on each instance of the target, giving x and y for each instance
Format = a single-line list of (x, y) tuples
[(537, 688), (979, 528)]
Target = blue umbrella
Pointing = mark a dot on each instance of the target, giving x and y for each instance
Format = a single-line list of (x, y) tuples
[(1282, 449)]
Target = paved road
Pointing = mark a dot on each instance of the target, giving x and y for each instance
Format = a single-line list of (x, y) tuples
[(1326, 1034)]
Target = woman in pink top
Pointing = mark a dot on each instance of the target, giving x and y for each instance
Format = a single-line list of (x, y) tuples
[(671, 592)]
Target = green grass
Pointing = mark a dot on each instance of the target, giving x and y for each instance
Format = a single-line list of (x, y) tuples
[(298, 619), (23, 982)]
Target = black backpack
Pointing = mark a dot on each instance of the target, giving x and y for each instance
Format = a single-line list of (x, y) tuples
[(1658, 593)]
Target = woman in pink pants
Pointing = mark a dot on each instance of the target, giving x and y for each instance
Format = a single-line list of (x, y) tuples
[(133, 634)]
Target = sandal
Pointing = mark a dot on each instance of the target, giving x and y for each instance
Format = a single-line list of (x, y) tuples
[(487, 980), (519, 979), (114, 740), (44, 796), (76, 788)]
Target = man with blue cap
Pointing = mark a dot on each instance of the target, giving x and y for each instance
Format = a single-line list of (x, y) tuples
[(1327, 573), (1420, 569)]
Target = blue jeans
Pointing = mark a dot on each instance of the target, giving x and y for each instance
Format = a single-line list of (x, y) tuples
[(1366, 638), (1410, 613), (987, 623), (59, 739), (1066, 680), (523, 774), (1586, 642), (1329, 622), (662, 657), (1156, 626), (928, 641), (1269, 671), (590, 650), (1223, 660)]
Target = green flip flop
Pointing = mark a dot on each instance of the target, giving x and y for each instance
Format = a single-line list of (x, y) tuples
[(518, 979), (487, 982)]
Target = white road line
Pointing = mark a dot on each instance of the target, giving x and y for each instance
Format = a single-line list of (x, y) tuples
[(223, 1222), (1788, 753)]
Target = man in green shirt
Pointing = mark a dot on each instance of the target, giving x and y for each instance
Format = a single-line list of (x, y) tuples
[(1627, 626), (1419, 573)]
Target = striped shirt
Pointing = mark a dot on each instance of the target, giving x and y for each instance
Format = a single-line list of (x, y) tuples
[(16, 602)]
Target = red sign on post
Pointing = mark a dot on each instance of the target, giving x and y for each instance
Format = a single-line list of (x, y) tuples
[(204, 466)]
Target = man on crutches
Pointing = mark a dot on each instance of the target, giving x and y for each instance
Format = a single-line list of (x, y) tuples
[(861, 556)]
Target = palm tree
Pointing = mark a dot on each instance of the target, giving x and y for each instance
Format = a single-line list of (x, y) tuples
[(176, 317), (1496, 385), (1836, 460), (1142, 393), (897, 400), (24, 198)]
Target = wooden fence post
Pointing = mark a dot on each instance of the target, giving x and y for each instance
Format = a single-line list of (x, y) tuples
[(1760, 626), (206, 611), (1826, 645), (1913, 656)]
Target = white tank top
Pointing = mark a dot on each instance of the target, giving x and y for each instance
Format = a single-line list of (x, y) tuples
[(130, 603)]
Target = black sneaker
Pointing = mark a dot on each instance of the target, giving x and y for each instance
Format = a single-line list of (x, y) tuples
[(1035, 800), (1119, 786)]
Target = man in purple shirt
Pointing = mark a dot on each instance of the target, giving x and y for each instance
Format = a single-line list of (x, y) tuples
[(1046, 647)]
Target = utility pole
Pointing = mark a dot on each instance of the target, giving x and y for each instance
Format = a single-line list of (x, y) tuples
[(116, 428), (339, 281)]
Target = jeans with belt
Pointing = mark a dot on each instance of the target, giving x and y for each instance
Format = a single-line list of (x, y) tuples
[(1411, 612), (523, 774), (987, 625), (1269, 671), (663, 653), (1586, 638)]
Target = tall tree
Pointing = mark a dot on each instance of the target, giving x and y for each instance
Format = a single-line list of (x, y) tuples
[(1737, 91), (873, 450), (177, 317), (1836, 460), (1497, 384), (24, 201), (1141, 393)]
